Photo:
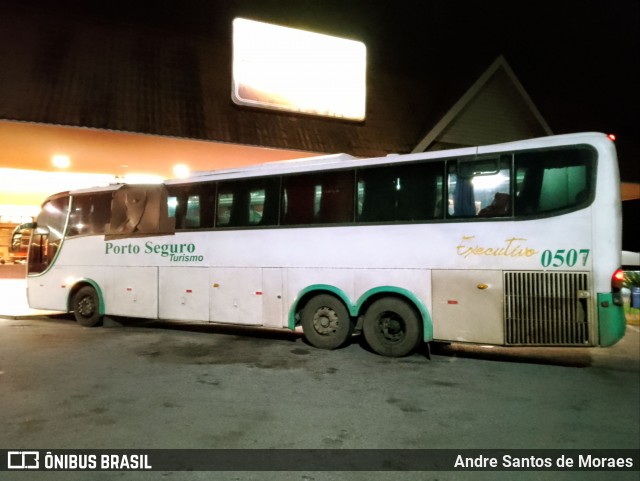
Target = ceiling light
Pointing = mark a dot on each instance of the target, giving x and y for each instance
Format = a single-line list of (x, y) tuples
[(61, 161), (181, 171)]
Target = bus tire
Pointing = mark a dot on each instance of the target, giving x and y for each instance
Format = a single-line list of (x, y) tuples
[(392, 327), (326, 323), (86, 307)]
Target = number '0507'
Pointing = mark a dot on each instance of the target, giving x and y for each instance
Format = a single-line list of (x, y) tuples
[(564, 257)]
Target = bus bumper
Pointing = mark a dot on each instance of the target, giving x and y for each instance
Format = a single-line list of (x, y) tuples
[(611, 320)]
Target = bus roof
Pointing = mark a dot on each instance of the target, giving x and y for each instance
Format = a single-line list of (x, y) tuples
[(310, 164), (277, 166), (338, 161)]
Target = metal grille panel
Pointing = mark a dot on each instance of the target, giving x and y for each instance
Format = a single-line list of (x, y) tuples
[(546, 308)]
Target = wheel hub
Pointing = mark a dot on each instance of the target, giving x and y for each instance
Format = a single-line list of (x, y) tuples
[(86, 307), (325, 321), (392, 328)]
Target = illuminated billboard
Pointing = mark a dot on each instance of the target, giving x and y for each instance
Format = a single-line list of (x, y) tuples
[(298, 71)]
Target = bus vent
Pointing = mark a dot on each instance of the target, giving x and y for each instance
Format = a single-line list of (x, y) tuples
[(546, 308)]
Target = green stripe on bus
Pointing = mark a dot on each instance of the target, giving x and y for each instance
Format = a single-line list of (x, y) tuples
[(611, 321)]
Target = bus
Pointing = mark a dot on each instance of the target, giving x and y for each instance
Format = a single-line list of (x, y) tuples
[(515, 244)]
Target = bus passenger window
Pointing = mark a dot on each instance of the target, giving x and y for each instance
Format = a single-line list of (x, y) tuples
[(223, 211), (172, 204), (192, 217), (553, 180), (300, 194), (264, 201), (319, 198), (248, 203), (376, 195), (335, 198), (480, 188), (191, 205), (410, 192), (89, 214), (256, 206)]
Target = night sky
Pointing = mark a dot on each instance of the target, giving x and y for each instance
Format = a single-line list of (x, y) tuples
[(577, 59)]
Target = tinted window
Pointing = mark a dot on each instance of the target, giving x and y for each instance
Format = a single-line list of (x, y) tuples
[(553, 180), (89, 214), (192, 205), (400, 193), (326, 198), (248, 203), (479, 188)]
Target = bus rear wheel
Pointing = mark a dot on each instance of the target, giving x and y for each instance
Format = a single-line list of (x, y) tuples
[(326, 323), (86, 308), (392, 327)]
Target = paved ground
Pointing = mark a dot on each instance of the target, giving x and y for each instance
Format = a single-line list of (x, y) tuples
[(156, 387), (167, 386)]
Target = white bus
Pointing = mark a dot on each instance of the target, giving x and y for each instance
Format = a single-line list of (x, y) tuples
[(515, 244)]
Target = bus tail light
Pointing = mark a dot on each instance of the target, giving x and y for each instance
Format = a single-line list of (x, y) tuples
[(617, 279), (617, 282)]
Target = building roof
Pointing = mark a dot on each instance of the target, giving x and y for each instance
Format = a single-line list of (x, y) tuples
[(74, 70), (495, 109)]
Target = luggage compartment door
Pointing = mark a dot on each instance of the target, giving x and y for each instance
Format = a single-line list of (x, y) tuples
[(184, 294), (468, 306), (237, 295)]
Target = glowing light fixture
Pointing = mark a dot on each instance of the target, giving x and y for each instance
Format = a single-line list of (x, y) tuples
[(61, 161), (612, 137), (298, 71), (181, 171)]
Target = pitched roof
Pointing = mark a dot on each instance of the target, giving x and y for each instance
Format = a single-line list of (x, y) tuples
[(496, 108)]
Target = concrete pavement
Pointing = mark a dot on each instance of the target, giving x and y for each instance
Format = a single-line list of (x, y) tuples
[(13, 300), (176, 386)]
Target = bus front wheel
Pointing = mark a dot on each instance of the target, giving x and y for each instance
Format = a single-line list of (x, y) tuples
[(392, 327), (325, 322), (86, 307)]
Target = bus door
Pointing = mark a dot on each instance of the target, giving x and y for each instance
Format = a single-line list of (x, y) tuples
[(237, 295), (468, 306)]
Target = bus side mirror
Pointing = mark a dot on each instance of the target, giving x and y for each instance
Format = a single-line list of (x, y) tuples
[(20, 235)]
